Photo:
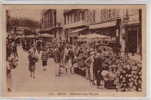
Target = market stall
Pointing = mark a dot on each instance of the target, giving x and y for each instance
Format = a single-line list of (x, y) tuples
[(122, 74)]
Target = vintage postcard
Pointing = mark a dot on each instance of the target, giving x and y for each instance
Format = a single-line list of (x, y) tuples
[(74, 50)]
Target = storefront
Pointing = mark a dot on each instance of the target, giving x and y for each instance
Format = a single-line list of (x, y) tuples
[(132, 34), (72, 31), (56, 32), (110, 28), (134, 38)]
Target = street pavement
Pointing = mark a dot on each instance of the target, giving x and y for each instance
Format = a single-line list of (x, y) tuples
[(46, 81)]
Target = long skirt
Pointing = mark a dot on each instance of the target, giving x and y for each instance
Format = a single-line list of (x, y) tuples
[(68, 66), (57, 69), (87, 73), (32, 68), (44, 63), (9, 80), (91, 73)]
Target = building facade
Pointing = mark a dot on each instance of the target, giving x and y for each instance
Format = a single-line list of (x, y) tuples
[(75, 23), (48, 19), (122, 25), (132, 33), (51, 23), (106, 22), (83, 21)]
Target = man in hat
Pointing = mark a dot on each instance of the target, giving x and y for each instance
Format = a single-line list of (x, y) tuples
[(89, 61), (57, 61), (97, 68)]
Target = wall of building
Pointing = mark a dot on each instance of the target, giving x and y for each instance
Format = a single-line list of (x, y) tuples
[(74, 16), (69, 17), (103, 15), (90, 16), (48, 18), (130, 30)]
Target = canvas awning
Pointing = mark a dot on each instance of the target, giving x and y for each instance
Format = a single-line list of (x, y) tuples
[(103, 25), (30, 36), (46, 36), (94, 36), (49, 29), (74, 25), (20, 36), (78, 30)]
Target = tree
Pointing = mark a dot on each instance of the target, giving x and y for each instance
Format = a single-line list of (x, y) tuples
[(23, 22), (29, 23)]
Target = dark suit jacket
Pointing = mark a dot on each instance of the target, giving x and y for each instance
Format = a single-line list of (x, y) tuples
[(98, 63)]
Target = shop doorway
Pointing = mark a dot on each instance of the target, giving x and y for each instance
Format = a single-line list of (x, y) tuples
[(132, 39)]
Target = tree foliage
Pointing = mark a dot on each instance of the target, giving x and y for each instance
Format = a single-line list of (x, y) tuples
[(22, 22)]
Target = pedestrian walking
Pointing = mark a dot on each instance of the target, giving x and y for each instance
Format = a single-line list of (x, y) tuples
[(9, 75), (44, 58), (57, 61), (89, 71), (97, 69), (70, 61), (66, 56), (32, 63), (38, 46), (14, 47)]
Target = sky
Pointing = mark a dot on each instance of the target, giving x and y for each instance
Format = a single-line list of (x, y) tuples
[(26, 13)]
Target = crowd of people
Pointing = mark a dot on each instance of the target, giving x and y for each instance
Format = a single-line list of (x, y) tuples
[(104, 68), (97, 63), (11, 60)]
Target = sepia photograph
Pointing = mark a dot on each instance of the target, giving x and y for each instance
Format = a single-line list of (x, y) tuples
[(75, 50)]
